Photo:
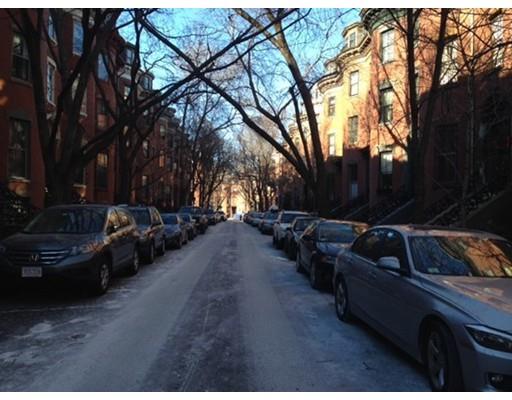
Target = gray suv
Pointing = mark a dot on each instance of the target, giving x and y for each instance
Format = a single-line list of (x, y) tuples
[(76, 242), (443, 295)]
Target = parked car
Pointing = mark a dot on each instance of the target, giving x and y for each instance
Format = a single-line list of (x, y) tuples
[(211, 216), (319, 245), (266, 225), (248, 217), (293, 233), (283, 222), (223, 217), (176, 234), (442, 295), (198, 215), (256, 219), (87, 243), (190, 224), (152, 232)]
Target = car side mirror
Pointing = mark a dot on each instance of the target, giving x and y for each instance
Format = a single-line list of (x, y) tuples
[(389, 264)]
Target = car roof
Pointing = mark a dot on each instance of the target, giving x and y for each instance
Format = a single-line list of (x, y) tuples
[(338, 221), (435, 230), (294, 212)]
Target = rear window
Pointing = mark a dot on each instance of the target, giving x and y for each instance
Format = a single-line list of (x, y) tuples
[(170, 219), (288, 218), (302, 224), (141, 216), (270, 215), (462, 256), (339, 233)]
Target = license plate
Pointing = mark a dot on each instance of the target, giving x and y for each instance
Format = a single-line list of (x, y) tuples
[(31, 272)]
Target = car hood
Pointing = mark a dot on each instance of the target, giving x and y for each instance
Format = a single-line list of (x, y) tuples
[(331, 249), (47, 241), (489, 300)]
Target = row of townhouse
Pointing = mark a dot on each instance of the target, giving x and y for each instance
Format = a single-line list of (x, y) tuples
[(158, 176), (364, 117)]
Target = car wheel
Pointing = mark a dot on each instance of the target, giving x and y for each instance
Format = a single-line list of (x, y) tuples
[(150, 257), (161, 250), (298, 263), (442, 361), (341, 302), (101, 281), (133, 269), (179, 243), (314, 276)]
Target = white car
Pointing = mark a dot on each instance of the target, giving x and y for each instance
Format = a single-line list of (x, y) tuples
[(284, 221)]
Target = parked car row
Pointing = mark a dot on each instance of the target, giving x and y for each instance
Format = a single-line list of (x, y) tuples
[(90, 243), (443, 295)]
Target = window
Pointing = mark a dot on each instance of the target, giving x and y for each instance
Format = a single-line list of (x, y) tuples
[(369, 244), (161, 159), (146, 82), (354, 83), (353, 123), (102, 68), (145, 148), (113, 222), (387, 46), (52, 33), (353, 181), (126, 91), (162, 130), (50, 82), (129, 55), (19, 148), (101, 111), (386, 170), (352, 40), (450, 67), (83, 108), (78, 37), (331, 105), (332, 144), (446, 153), (80, 177), (102, 170), (20, 60), (145, 186), (386, 104), (497, 39)]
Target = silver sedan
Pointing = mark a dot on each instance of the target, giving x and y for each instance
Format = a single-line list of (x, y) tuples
[(442, 295)]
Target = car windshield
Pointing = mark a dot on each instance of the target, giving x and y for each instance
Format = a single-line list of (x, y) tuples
[(462, 256), (270, 215), (141, 216), (339, 233), (68, 220), (190, 210), (185, 217), (303, 223), (288, 218), (170, 219)]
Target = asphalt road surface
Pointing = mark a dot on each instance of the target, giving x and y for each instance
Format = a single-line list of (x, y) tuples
[(225, 313)]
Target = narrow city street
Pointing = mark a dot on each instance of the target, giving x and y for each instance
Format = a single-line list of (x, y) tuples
[(226, 313)]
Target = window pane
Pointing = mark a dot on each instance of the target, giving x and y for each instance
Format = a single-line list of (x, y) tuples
[(19, 141), (78, 37)]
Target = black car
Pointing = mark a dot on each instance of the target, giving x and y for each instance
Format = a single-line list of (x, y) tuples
[(198, 215), (223, 217), (176, 234), (152, 231), (266, 225), (320, 244), (293, 233), (77, 242)]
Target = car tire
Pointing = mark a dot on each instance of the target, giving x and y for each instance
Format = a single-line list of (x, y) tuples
[(150, 256), (103, 275), (298, 264), (442, 360), (134, 266), (161, 250), (314, 276), (341, 301), (279, 243), (179, 243)]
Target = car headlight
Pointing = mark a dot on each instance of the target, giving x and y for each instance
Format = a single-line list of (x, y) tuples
[(83, 249), (328, 259), (490, 338)]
